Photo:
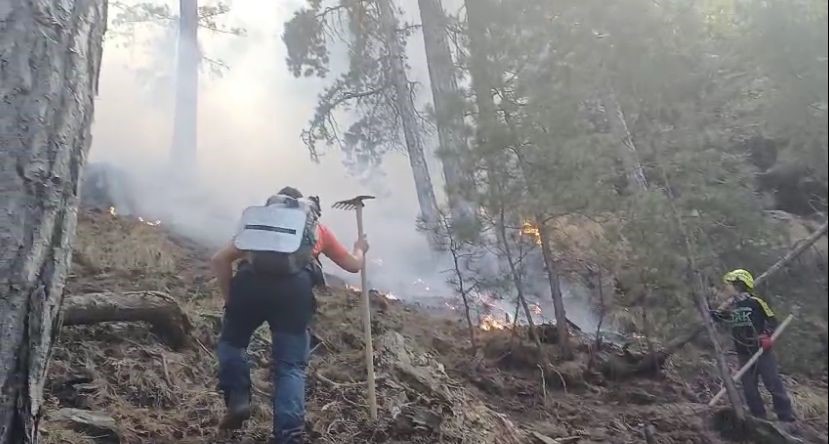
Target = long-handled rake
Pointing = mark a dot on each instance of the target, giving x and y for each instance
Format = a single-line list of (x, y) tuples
[(357, 205)]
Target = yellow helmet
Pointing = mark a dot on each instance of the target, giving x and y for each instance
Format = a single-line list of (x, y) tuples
[(739, 275)]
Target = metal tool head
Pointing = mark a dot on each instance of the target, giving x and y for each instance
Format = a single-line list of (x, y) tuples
[(351, 204)]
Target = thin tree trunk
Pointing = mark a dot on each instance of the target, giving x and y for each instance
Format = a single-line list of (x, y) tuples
[(597, 344), (517, 281), (555, 291), (646, 325), (408, 116), (183, 152), (50, 54), (449, 108), (704, 310), (549, 262), (627, 149), (454, 249)]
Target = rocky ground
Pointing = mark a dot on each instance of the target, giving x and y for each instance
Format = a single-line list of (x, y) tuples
[(129, 383)]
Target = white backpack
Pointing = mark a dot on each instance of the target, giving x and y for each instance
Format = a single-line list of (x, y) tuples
[(280, 235)]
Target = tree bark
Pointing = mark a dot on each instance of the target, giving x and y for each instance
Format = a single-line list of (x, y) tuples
[(627, 149), (482, 86), (157, 309), (408, 116), (555, 291), (183, 151), (50, 54), (449, 109)]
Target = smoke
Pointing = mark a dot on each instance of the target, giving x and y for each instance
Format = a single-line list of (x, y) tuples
[(249, 123)]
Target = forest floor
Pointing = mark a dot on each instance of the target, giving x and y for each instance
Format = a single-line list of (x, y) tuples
[(432, 385)]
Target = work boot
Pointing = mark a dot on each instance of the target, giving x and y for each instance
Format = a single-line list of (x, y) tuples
[(238, 410)]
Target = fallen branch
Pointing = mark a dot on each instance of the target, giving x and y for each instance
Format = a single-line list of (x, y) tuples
[(156, 308), (796, 251)]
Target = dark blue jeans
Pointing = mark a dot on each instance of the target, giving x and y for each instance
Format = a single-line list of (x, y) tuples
[(286, 304), (766, 369)]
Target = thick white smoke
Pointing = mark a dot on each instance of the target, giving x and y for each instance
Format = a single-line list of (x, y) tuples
[(249, 123)]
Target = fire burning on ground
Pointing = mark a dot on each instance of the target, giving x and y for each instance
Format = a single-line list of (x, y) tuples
[(151, 222), (490, 323)]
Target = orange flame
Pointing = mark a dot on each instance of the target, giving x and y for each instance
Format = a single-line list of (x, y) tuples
[(529, 229), (489, 323)]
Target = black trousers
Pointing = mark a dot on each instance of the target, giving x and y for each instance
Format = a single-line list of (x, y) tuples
[(286, 303), (766, 369)]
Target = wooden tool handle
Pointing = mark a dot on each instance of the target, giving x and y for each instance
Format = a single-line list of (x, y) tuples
[(742, 371), (372, 395)]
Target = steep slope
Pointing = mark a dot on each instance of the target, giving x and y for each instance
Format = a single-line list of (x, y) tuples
[(432, 386)]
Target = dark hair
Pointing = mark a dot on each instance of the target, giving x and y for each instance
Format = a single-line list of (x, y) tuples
[(290, 192)]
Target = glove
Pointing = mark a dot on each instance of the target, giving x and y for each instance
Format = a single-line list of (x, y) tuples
[(766, 342)]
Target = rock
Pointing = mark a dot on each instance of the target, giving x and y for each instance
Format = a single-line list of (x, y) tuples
[(98, 424), (413, 418)]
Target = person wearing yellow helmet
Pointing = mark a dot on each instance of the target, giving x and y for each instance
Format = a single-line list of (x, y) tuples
[(752, 322)]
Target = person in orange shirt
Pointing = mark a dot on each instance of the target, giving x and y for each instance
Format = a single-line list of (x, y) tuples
[(286, 303)]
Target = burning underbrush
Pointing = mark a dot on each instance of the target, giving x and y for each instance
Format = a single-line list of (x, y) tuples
[(122, 382)]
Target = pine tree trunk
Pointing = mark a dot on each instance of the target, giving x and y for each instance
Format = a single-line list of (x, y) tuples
[(408, 116), (627, 149), (479, 70), (50, 54), (449, 108), (184, 144)]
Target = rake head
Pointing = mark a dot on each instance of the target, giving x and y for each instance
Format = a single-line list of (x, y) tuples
[(351, 204)]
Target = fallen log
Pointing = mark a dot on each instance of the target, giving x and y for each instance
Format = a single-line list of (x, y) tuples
[(158, 309), (660, 356)]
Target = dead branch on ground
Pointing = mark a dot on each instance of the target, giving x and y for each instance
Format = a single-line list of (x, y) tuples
[(158, 309)]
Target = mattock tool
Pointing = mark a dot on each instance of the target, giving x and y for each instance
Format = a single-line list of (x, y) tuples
[(357, 205)]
